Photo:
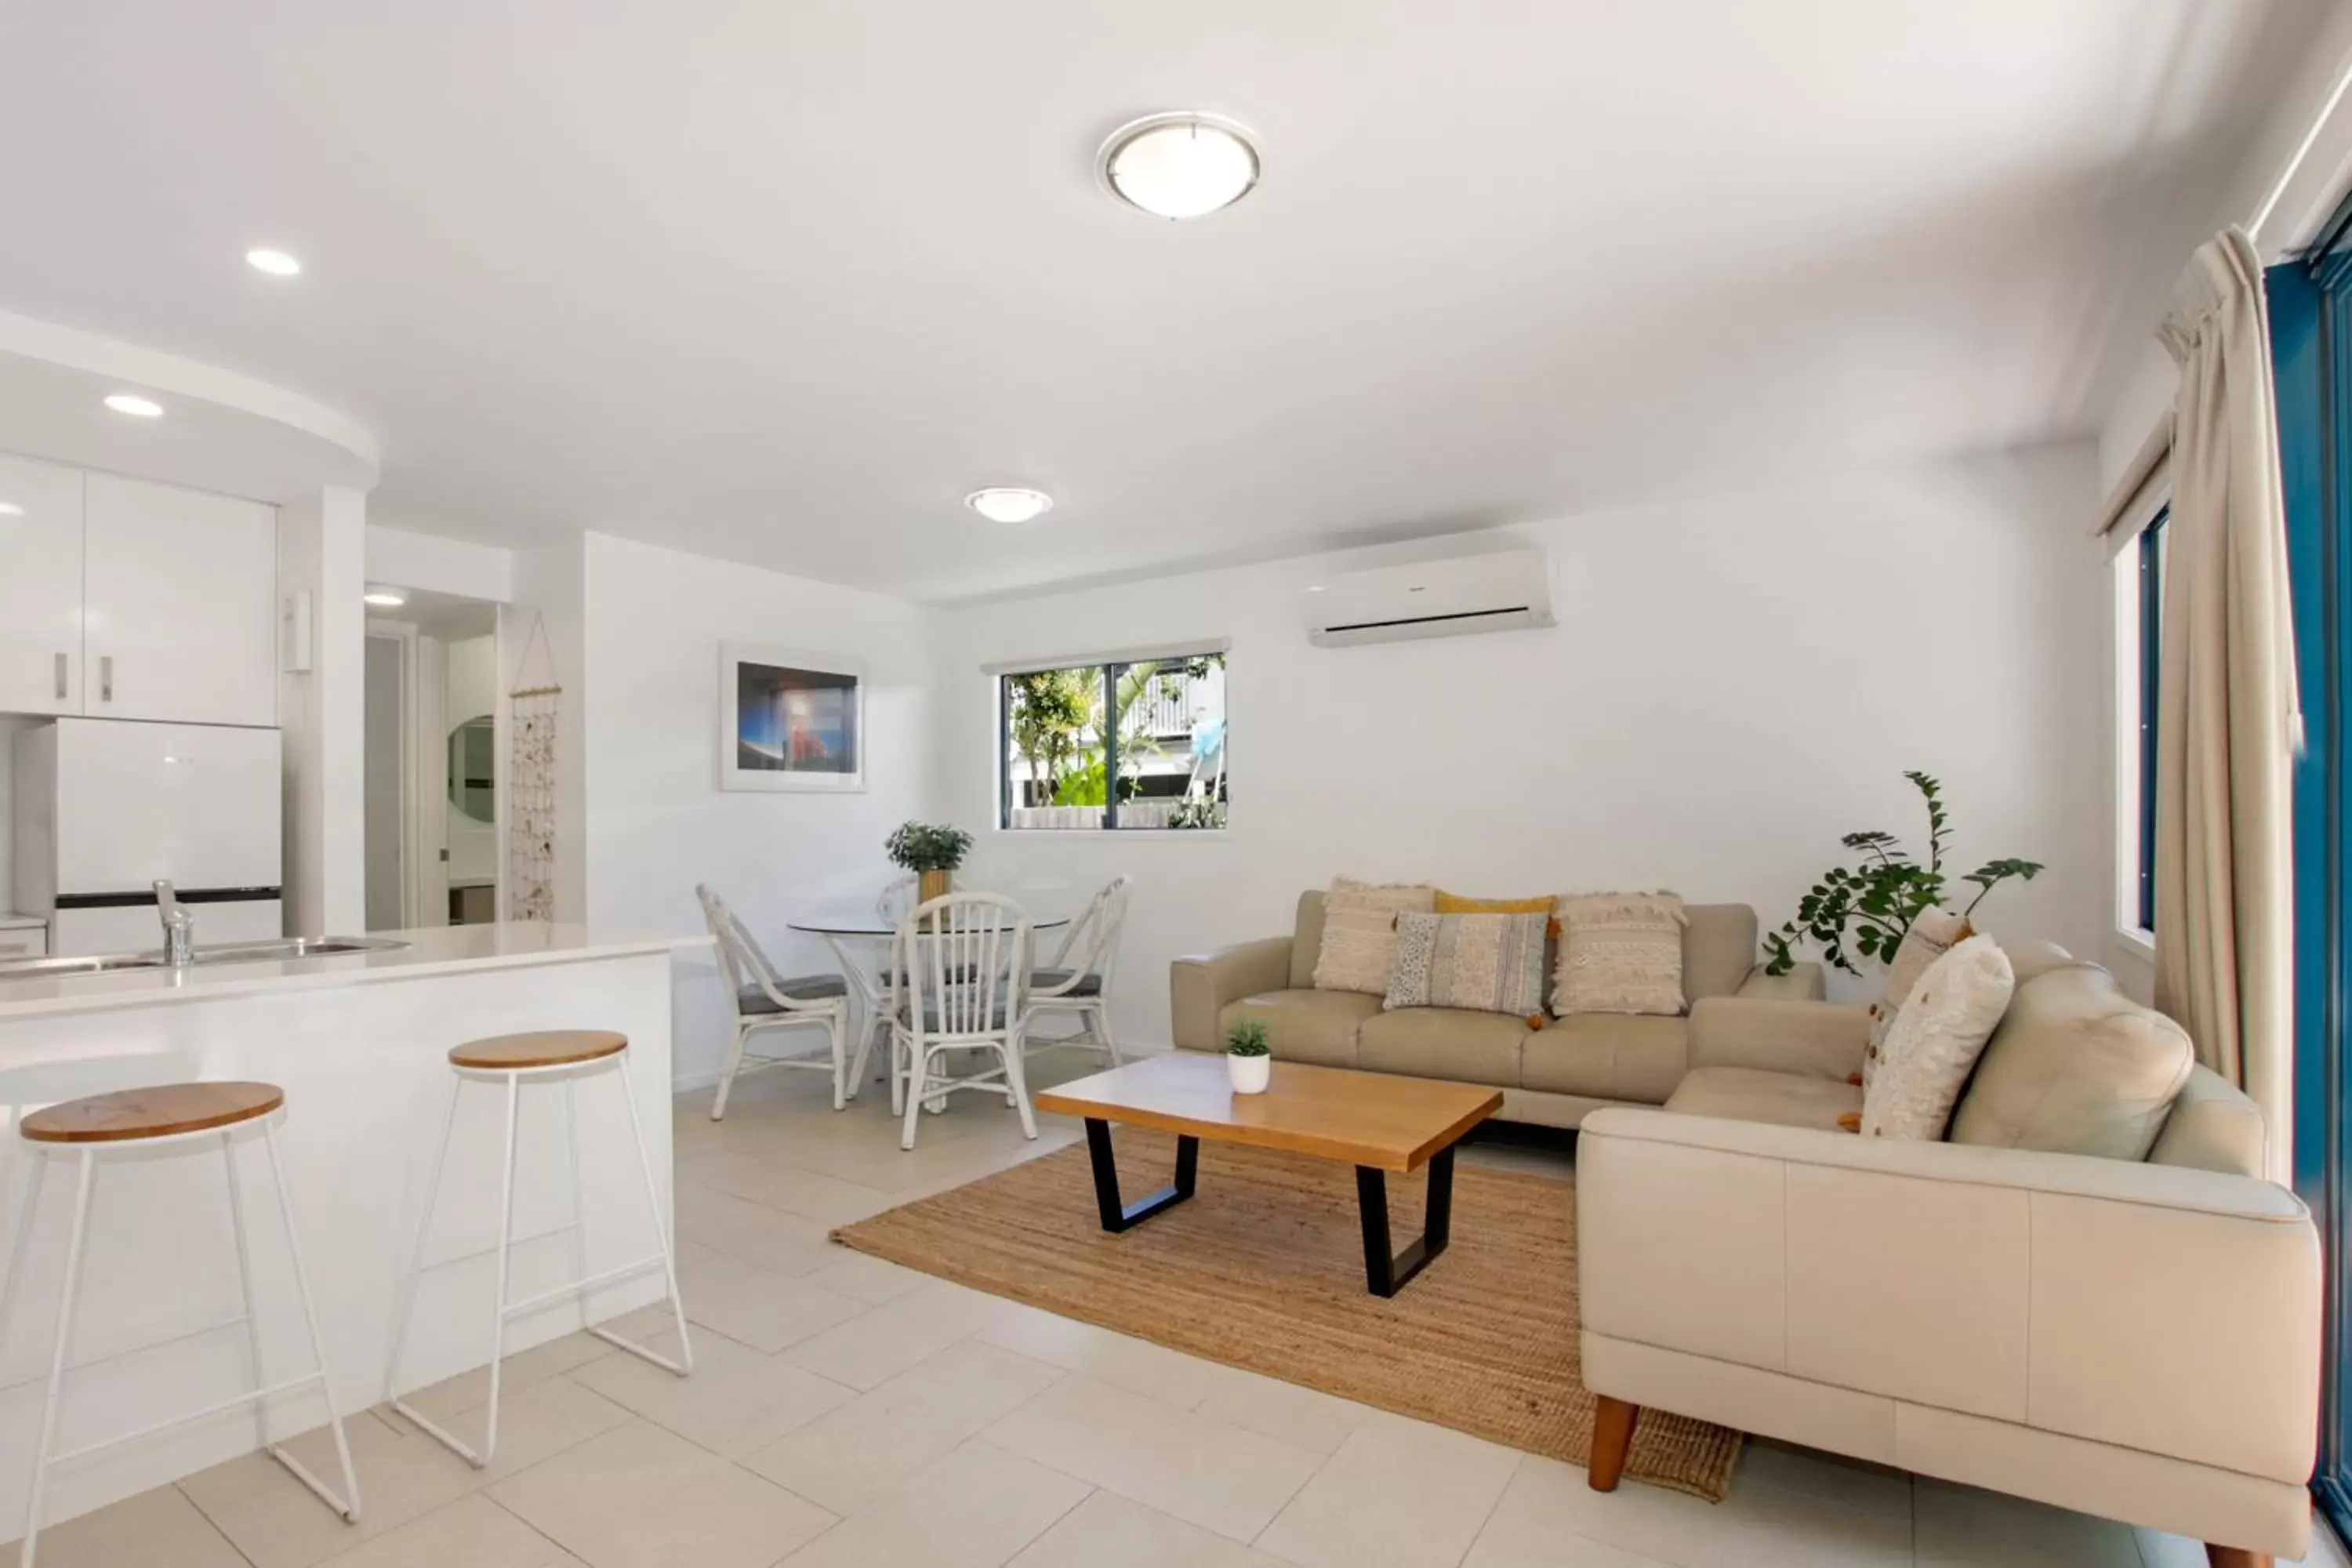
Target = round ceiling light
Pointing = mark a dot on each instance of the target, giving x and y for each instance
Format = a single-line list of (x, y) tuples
[(1009, 503), (136, 406), (10, 509), (384, 598), (1179, 165), (277, 263)]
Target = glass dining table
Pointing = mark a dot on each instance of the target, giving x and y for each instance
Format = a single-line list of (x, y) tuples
[(861, 939)]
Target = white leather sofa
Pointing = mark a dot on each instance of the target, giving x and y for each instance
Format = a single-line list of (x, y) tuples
[(2133, 1333)]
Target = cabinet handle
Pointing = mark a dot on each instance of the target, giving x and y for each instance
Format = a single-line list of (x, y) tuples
[(106, 679), (61, 678)]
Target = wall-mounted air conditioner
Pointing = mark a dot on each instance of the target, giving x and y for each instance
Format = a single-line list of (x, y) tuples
[(1498, 591)]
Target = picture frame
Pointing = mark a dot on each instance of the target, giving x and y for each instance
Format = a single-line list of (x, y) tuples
[(790, 719)]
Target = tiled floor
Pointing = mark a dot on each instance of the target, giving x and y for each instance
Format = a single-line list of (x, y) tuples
[(846, 1411)]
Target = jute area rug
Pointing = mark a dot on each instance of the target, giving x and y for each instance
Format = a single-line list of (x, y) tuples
[(1264, 1270)]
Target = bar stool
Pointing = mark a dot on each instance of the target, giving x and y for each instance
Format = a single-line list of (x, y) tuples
[(144, 1122), (558, 1056)]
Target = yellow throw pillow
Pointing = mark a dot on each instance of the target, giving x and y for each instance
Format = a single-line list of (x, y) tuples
[(1456, 904)]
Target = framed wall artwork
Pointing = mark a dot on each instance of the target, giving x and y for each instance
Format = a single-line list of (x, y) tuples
[(790, 719)]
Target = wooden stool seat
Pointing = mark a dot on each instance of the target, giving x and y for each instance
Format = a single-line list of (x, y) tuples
[(160, 1111), (541, 1049)]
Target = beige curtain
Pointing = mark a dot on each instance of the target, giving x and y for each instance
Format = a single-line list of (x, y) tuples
[(2226, 697)]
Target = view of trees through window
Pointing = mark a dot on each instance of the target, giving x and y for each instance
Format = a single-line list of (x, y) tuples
[(1122, 745)]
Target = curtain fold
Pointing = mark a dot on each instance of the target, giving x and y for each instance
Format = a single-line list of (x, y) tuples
[(2226, 699)]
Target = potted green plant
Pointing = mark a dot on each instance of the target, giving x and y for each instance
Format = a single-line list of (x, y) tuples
[(930, 850), (1249, 1060)]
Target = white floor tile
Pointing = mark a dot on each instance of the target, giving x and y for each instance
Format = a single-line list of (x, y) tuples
[(1302, 1417), (472, 1532), (1120, 1360), (1109, 1530), (872, 1280), (1398, 1494), (849, 1455), (1757, 1526), (639, 1497), (868, 1351), (1963, 1527), (1853, 1482), (734, 1401), (758, 1306), (158, 1528), (1207, 1472), (973, 1509)]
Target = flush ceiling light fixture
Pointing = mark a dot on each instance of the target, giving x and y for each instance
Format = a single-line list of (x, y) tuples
[(10, 509), (277, 263), (1009, 503), (138, 407), (384, 598), (1181, 165)]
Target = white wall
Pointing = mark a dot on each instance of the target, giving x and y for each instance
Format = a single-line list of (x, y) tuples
[(321, 550), (473, 691), (658, 821), (549, 583), (444, 565), (1734, 684)]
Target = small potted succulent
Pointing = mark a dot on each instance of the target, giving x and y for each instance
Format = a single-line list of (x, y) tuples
[(1248, 1059), (930, 850)]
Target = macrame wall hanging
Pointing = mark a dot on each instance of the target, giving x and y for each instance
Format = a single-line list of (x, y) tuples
[(530, 810)]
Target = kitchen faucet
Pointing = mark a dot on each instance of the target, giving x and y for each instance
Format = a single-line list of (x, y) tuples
[(179, 927)]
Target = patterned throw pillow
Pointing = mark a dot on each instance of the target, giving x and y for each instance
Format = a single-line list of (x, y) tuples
[(1360, 932), (1491, 963), (1619, 952), (1933, 934), (1458, 904), (1937, 1039)]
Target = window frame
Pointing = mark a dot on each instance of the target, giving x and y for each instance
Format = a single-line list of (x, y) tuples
[(1111, 667), (2150, 550)]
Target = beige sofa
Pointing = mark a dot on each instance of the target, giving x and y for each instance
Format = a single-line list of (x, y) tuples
[(1552, 1076), (2135, 1336)]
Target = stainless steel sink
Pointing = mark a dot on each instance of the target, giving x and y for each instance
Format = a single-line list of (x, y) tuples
[(220, 952)]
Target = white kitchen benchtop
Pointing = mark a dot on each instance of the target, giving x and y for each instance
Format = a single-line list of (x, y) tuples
[(442, 950)]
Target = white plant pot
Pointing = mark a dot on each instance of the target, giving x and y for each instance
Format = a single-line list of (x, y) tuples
[(1250, 1074)]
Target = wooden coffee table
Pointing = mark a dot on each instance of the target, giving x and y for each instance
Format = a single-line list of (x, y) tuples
[(1374, 1122)]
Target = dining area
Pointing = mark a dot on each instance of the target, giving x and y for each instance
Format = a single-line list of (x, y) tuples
[(938, 990)]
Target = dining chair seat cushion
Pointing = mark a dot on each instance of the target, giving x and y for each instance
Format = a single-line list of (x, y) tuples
[(1089, 984), (800, 988), (957, 976)]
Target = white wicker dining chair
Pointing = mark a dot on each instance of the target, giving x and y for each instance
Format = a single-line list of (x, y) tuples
[(764, 1000), (1076, 982), (964, 959)]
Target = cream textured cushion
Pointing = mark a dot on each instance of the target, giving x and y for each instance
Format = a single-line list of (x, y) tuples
[(1619, 952), (1488, 963), (1936, 1041), (1359, 933), (1933, 934)]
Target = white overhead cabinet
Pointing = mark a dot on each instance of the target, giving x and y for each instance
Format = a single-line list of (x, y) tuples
[(40, 587), (180, 604)]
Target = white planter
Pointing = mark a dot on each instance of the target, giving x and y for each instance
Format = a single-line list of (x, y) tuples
[(1250, 1074)]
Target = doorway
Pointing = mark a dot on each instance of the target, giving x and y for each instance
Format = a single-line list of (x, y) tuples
[(432, 806)]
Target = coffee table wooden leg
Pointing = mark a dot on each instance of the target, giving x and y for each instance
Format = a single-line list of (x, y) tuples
[(1118, 1216), (1387, 1271)]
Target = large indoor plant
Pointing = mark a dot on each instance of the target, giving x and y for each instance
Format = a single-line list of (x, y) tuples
[(1872, 902), (930, 850)]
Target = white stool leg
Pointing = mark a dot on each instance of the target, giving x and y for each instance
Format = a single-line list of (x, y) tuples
[(579, 1194), (246, 1295), (82, 1185), (350, 1510), (415, 1274), (506, 1245), (685, 1364), (28, 1200)]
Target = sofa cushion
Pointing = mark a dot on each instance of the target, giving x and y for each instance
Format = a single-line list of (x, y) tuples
[(1608, 1055), (2212, 1126), (1492, 964), (1463, 904), (2076, 1067), (1445, 1042), (1359, 939), (1306, 940), (1945, 1018), (1619, 952), (1719, 949), (1317, 1027), (1934, 932), (1750, 1094)]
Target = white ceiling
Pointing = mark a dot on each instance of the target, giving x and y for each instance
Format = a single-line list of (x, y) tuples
[(780, 282)]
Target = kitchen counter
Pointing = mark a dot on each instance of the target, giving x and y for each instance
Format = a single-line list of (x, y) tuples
[(360, 1042), (429, 952)]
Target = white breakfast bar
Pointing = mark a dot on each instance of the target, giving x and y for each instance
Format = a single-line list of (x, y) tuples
[(360, 1042)]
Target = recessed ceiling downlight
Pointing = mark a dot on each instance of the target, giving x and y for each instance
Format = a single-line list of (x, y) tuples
[(277, 263), (138, 407), (384, 598), (1181, 165), (1009, 503), (10, 509)]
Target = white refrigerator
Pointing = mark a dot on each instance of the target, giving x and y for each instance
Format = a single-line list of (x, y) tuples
[(104, 807)]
